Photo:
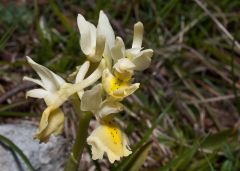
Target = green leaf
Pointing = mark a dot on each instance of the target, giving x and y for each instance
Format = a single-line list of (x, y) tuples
[(6, 37), (139, 157), (18, 151), (156, 121), (181, 160), (215, 141), (13, 105), (227, 166), (202, 164), (64, 20)]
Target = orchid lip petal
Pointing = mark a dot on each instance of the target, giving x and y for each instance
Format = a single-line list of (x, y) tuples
[(108, 138), (51, 123)]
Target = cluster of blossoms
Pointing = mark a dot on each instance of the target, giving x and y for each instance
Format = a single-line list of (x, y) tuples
[(115, 69)]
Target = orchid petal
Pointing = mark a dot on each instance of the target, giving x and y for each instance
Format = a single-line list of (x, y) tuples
[(104, 28), (123, 92), (37, 93), (118, 50), (88, 35), (143, 60), (138, 35), (124, 64), (82, 71), (39, 82), (91, 99), (123, 69), (51, 81), (100, 45), (51, 123), (116, 88), (109, 106)]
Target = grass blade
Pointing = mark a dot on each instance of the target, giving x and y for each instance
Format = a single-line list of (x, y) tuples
[(18, 151)]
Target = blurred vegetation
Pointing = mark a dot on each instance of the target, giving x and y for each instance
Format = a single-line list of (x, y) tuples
[(195, 66)]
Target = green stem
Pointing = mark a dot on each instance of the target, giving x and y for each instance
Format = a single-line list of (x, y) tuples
[(82, 133)]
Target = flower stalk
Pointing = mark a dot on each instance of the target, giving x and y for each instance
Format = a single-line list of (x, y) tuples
[(82, 134)]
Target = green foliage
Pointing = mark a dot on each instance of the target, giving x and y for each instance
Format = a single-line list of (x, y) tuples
[(12, 15)]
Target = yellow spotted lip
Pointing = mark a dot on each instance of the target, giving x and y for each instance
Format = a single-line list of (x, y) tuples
[(109, 138), (117, 88)]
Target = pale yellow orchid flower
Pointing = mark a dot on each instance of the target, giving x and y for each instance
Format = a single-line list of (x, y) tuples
[(141, 59), (53, 122), (62, 95), (92, 40), (55, 92), (123, 66), (123, 69), (117, 88), (108, 137)]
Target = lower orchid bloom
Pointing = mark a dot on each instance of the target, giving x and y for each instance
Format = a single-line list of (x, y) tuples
[(55, 91), (51, 123), (108, 137), (65, 92)]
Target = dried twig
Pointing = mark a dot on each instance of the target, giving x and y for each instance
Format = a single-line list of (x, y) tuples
[(219, 24), (213, 99), (15, 90), (186, 29)]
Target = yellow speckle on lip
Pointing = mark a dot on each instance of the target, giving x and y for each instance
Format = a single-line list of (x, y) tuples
[(114, 137), (117, 84), (115, 133)]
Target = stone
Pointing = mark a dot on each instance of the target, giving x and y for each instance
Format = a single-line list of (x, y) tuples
[(44, 157)]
